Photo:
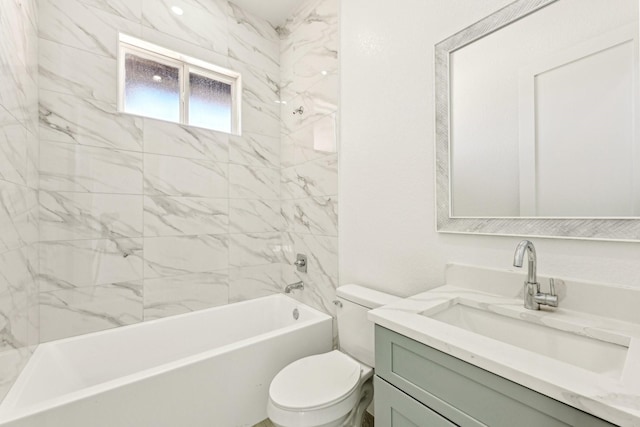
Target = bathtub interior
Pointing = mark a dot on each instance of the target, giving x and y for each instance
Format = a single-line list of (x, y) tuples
[(106, 359)]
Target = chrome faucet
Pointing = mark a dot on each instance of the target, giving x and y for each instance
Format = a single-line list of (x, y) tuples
[(301, 263), (533, 298), (297, 285)]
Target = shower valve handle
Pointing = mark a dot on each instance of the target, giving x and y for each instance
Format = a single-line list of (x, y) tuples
[(301, 263)]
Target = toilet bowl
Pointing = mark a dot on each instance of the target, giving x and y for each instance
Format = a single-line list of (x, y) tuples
[(319, 390), (334, 388)]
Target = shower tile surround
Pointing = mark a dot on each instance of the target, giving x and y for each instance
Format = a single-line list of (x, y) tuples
[(142, 219), (308, 149), (137, 213), (19, 323)]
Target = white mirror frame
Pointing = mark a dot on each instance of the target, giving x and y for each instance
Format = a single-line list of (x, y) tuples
[(617, 229)]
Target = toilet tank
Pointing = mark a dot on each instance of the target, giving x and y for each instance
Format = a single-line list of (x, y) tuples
[(355, 331)]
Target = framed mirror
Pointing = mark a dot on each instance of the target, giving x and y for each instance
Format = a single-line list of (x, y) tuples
[(537, 122)]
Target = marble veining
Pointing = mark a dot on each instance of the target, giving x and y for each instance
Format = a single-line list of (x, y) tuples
[(308, 143), (260, 112), (13, 150), (175, 176), (319, 100), (71, 216), (309, 51), (16, 85), (180, 255), (182, 294), (78, 25), (257, 118), (320, 290), (73, 167), (253, 41), (315, 178), (248, 249), (177, 216), (127, 9), (191, 142), (89, 76), (142, 219), (308, 75), (250, 282), (14, 276), (261, 30), (259, 88), (202, 27), (70, 264), (319, 12), (612, 398), (18, 218), (322, 279), (70, 312), (32, 288), (254, 216), (254, 150), (247, 182), (33, 158), (128, 199), (322, 251), (316, 215), (19, 321), (215, 7), (183, 46), (312, 142), (67, 118)]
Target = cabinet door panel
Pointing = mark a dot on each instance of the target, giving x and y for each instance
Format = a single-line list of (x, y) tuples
[(397, 409), (466, 394)]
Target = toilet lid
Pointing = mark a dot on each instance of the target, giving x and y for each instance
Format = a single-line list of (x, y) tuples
[(315, 381)]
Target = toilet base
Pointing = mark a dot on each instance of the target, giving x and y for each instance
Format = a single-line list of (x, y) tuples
[(365, 400), (352, 418), (336, 423)]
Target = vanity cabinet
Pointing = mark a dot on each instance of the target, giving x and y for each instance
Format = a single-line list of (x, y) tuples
[(417, 385)]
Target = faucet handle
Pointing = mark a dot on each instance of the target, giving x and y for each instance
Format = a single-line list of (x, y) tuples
[(301, 263), (550, 299), (552, 287)]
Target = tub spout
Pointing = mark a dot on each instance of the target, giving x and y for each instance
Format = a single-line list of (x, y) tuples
[(297, 285)]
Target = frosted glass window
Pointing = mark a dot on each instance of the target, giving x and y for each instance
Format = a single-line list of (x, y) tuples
[(162, 84), (152, 89), (209, 103)]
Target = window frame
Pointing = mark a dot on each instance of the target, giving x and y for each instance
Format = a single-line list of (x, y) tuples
[(186, 65)]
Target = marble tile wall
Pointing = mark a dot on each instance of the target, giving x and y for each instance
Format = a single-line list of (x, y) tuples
[(19, 323), (308, 156), (142, 219)]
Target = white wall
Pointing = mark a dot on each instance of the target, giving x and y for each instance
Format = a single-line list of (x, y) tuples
[(387, 237)]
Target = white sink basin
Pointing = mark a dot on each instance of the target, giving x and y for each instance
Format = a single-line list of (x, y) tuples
[(585, 352)]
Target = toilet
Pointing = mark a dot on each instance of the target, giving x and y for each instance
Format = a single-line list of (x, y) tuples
[(335, 388)]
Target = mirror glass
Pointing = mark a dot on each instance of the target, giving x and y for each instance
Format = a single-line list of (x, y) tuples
[(543, 115)]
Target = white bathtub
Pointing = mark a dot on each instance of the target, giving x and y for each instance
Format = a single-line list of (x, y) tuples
[(208, 368)]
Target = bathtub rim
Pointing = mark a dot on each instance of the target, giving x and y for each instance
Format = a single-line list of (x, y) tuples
[(10, 412)]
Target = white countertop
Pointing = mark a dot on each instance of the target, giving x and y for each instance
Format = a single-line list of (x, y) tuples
[(615, 398)]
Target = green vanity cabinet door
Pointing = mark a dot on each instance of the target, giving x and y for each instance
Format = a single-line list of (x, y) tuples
[(396, 409), (464, 394)]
